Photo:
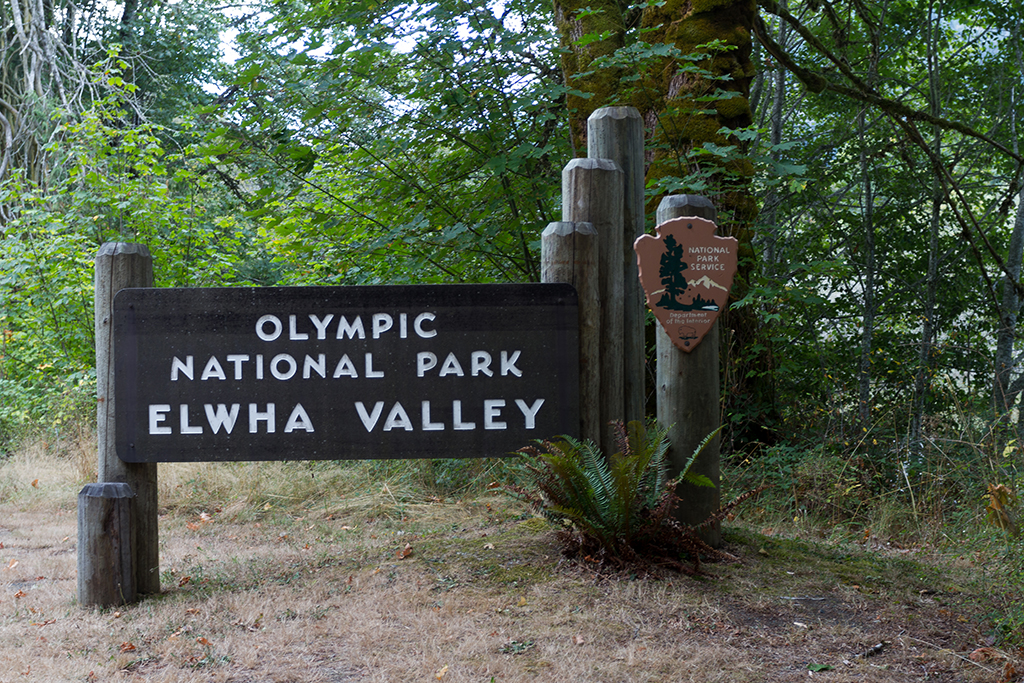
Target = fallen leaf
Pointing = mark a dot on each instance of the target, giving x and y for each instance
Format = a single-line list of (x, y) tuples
[(127, 647), (488, 546), (184, 580), (522, 601), (985, 653), (35, 483), (117, 615), (12, 564), (45, 623), (192, 610), (203, 641), (441, 672), (404, 552), (20, 594), (579, 640)]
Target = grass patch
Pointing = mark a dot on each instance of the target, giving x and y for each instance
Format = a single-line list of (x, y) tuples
[(323, 571)]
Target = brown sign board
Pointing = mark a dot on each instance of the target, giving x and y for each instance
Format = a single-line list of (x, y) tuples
[(314, 373), (686, 272)]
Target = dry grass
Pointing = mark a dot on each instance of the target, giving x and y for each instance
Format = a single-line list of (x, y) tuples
[(296, 572)]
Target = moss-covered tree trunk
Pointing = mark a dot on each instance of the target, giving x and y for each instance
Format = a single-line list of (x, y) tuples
[(682, 111)]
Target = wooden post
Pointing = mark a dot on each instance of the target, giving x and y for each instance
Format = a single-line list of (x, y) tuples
[(118, 266), (105, 571), (617, 133), (569, 253), (592, 193), (689, 397)]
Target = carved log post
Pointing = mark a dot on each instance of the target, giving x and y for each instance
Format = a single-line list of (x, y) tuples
[(592, 193), (569, 253), (119, 266), (617, 133), (689, 396), (105, 569)]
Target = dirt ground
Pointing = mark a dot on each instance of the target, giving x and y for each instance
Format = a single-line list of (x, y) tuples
[(479, 592)]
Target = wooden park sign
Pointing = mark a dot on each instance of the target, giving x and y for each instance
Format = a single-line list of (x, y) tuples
[(306, 373), (686, 272)]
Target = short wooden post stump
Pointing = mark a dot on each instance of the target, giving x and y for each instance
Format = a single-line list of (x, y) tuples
[(105, 573)]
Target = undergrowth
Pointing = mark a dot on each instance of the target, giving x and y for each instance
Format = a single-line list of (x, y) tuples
[(619, 509)]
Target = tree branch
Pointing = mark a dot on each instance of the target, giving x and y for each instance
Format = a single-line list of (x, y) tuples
[(861, 92)]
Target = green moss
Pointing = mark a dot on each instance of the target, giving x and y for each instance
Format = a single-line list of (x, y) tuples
[(733, 107), (701, 6)]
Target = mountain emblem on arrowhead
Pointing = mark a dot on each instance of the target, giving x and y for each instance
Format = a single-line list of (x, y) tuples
[(686, 272)]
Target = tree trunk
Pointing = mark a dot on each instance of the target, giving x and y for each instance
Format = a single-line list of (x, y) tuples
[(922, 380), (677, 126), (1003, 394)]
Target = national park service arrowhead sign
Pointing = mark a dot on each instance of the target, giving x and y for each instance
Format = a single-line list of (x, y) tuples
[(686, 272)]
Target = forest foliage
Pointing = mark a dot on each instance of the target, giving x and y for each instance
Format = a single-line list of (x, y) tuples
[(865, 153)]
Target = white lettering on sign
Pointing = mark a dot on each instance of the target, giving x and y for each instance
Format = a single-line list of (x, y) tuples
[(351, 330), (290, 366), (398, 417), (261, 328), (370, 372), (222, 417), (269, 327), (492, 414), (530, 412), (184, 368), (293, 334), (255, 417), (427, 425), (418, 325), (508, 365), (321, 325), (213, 369), (157, 414), (345, 368), (237, 359), (298, 420), (186, 428), (319, 366), (479, 364), (457, 422), (492, 411)]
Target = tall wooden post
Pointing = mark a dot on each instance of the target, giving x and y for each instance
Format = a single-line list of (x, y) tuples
[(118, 266), (689, 397), (592, 193), (569, 253), (617, 133)]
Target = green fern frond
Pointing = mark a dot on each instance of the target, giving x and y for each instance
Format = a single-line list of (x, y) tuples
[(697, 451)]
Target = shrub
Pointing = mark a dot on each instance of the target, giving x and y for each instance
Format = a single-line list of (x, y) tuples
[(619, 510)]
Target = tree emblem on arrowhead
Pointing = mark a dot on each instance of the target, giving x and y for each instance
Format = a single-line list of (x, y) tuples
[(686, 272)]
